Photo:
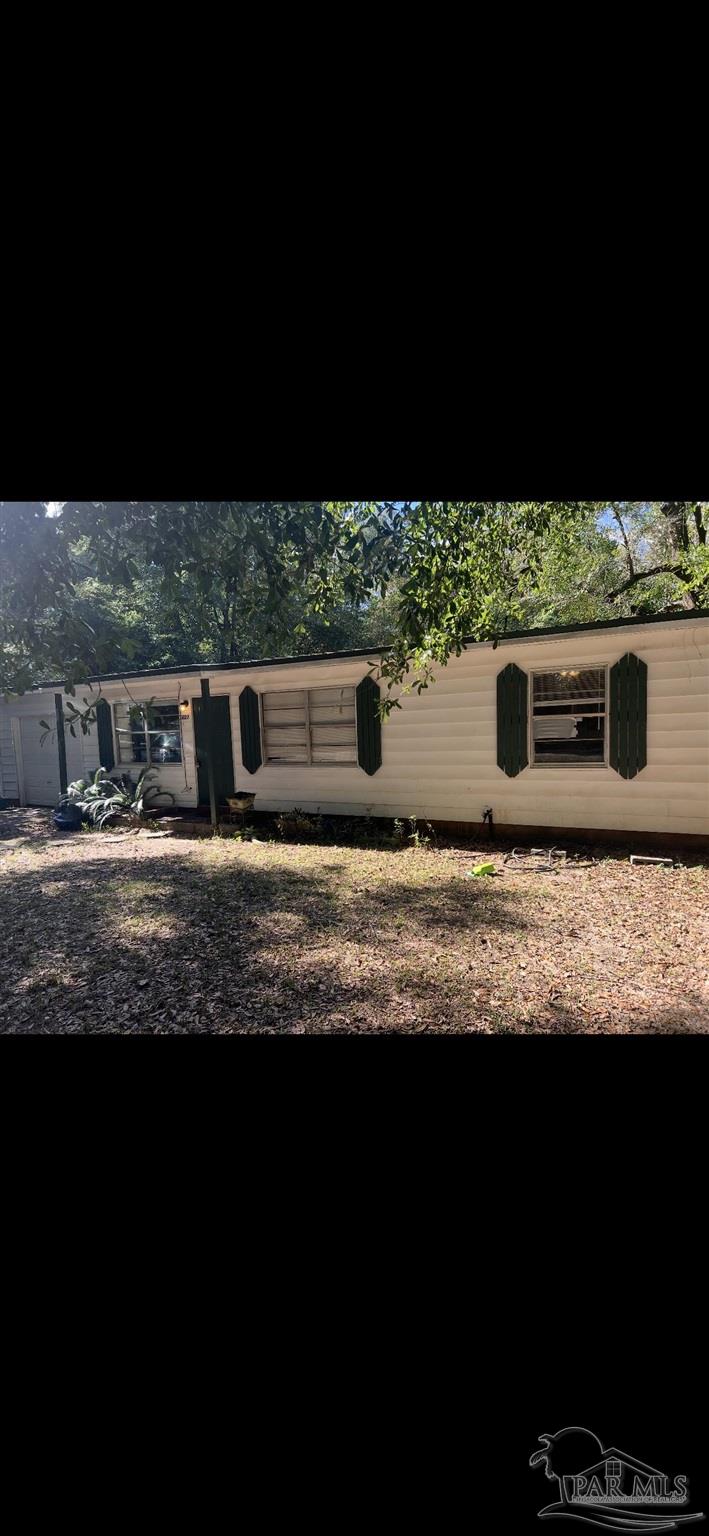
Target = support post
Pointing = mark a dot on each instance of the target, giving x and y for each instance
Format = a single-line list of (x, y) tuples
[(61, 742), (209, 745)]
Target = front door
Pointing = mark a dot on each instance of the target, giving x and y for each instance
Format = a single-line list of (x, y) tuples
[(221, 749)]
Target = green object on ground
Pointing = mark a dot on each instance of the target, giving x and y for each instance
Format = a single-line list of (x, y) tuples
[(479, 871)]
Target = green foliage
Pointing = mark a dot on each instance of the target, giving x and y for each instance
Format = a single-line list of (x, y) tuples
[(73, 718), (102, 799), (419, 839), (481, 570), (297, 823), (465, 568), (90, 588), (627, 558)]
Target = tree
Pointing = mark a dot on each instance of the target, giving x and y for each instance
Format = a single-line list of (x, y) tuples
[(244, 561), (574, 574), (666, 540), (467, 569), (621, 560), (40, 627), (219, 627), (91, 587), (461, 567)]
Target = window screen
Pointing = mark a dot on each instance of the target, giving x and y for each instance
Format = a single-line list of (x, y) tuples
[(569, 715), (318, 725)]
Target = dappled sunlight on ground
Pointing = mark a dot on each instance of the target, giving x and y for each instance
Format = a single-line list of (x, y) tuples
[(104, 934)]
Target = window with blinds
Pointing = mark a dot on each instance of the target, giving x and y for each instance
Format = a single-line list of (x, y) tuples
[(315, 725), (569, 715)]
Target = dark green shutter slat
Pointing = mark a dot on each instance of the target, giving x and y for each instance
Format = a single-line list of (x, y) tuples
[(623, 705), (642, 716), (106, 753), (614, 713), (522, 709), (628, 716), (250, 730), (512, 720), (633, 676), (501, 736), (369, 726)]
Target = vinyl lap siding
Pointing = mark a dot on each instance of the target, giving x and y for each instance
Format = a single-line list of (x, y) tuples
[(439, 750), (91, 756), (83, 751), (9, 789), (179, 779)]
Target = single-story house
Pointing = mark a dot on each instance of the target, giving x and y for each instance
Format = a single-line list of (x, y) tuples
[(600, 728)]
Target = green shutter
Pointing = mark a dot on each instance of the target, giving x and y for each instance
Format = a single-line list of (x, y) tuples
[(512, 708), (369, 726), (106, 754), (628, 716), (250, 730)]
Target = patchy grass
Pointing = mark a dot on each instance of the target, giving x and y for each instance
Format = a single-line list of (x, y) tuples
[(142, 935)]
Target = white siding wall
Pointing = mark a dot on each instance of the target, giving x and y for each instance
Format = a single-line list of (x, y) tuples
[(440, 749), (42, 759), (82, 751), (8, 770), (86, 749), (180, 779)]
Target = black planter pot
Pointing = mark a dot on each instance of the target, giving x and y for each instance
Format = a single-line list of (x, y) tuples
[(67, 818)]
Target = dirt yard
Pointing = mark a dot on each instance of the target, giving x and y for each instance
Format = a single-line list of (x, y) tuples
[(118, 933)]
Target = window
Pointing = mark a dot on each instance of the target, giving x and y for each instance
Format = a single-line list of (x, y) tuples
[(569, 716), (148, 733), (316, 725)]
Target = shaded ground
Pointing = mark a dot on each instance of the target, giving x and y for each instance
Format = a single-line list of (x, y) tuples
[(126, 934)]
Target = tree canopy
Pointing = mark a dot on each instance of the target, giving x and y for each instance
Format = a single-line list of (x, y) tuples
[(92, 587)]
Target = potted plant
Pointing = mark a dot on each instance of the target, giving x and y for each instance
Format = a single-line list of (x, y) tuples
[(240, 803)]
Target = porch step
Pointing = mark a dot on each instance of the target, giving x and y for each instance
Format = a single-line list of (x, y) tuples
[(181, 826)]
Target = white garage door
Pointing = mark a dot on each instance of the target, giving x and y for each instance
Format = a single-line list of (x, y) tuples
[(40, 763)]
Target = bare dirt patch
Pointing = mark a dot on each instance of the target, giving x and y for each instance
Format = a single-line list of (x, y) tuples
[(104, 934)]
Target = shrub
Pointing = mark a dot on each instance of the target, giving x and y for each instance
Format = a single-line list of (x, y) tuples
[(419, 839), (297, 823), (103, 799)]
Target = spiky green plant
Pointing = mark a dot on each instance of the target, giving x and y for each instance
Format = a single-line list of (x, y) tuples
[(103, 799)]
